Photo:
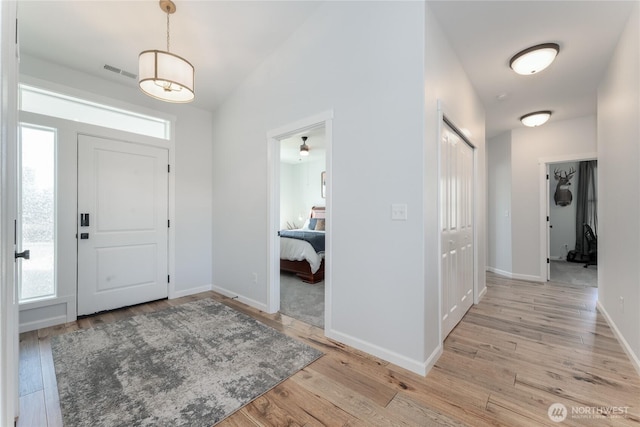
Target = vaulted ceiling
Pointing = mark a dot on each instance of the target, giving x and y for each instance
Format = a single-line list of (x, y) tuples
[(227, 40)]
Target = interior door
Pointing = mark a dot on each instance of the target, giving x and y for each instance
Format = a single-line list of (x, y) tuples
[(122, 224), (457, 234)]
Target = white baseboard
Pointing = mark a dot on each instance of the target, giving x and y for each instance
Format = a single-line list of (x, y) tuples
[(483, 292), (231, 294), (42, 323), (420, 368), (516, 276), (623, 342), (191, 291)]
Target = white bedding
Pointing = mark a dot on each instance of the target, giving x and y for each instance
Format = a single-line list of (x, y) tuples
[(299, 250)]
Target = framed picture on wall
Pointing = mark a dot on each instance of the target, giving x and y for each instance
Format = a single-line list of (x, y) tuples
[(323, 184)]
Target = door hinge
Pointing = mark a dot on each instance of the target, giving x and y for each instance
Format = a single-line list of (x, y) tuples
[(168, 279), (168, 168), (547, 218), (168, 223), (548, 261), (547, 177)]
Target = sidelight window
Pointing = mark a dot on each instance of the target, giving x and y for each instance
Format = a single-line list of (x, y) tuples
[(36, 230)]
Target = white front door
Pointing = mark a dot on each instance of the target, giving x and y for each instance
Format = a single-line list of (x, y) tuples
[(456, 219), (122, 224)]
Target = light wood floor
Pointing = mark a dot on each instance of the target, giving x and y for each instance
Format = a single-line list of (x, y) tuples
[(523, 348)]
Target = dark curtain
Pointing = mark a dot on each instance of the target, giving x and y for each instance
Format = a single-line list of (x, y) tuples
[(587, 204)]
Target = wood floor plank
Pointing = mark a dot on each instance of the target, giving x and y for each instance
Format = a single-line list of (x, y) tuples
[(357, 405), (310, 408), (417, 414), (343, 373), (32, 410), (30, 370), (50, 385), (239, 419)]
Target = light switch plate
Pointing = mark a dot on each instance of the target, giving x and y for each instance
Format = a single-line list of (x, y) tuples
[(399, 212)]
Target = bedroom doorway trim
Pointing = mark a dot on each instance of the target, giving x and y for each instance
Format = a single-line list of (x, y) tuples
[(543, 168), (274, 136)]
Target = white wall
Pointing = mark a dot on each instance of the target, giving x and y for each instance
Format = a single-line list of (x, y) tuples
[(364, 61), (288, 189), (299, 191), (618, 183), (528, 146), (446, 80), (562, 218), (499, 172), (192, 165)]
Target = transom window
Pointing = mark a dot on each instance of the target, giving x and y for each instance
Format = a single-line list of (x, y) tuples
[(40, 101)]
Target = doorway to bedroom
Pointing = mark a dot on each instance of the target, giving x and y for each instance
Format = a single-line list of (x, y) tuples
[(299, 220), (572, 221)]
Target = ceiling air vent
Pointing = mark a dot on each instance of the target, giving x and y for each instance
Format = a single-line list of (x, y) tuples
[(119, 71)]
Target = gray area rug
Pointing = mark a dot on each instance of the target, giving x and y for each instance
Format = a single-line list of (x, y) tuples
[(302, 301), (188, 365)]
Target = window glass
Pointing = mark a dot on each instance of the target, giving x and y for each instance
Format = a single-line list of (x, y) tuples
[(53, 104), (36, 228)]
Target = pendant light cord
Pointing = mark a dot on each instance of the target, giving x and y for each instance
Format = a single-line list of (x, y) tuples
[(168, 29)]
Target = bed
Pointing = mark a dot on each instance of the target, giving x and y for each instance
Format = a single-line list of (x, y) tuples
[(302, 250)]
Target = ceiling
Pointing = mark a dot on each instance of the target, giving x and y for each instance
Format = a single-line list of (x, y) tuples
[(227, 40), (224, 40), (486, 34)]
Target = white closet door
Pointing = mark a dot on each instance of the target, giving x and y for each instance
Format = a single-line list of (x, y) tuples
[(457, 235)]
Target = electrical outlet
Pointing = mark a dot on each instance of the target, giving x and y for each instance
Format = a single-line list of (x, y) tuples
[(254, 278)]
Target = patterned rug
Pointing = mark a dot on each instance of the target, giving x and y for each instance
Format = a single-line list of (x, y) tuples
[(188, 365)]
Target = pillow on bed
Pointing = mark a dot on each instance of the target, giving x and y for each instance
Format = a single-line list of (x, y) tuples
[(320, 225), (306, 224), (312, 223)]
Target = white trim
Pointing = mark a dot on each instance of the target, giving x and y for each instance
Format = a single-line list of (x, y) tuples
[(508, 274), (420, 368), (9, 402), (635, 361), (93, 97), (191, 291), (543, 164), (231, 294), (324, 119), (483, 292), (69, 302)]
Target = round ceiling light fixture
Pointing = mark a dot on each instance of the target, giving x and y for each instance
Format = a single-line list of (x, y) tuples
[(534, 59), (534, 119)]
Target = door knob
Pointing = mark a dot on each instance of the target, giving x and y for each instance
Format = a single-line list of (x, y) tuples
[(24, 254)]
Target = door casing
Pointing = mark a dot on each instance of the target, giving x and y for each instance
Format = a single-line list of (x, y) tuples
[(273, 157)]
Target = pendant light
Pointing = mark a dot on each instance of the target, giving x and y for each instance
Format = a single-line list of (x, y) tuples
[(534, 59), (304, 148), (163, 75), (537, 118)]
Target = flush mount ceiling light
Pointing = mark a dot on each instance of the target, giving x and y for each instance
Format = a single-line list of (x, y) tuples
[(162, 74), (534, 59), (304, 148), (535, 119)]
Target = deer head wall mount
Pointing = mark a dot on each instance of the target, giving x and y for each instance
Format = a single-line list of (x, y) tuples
[(563, 196)]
